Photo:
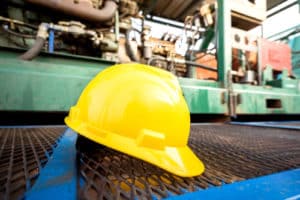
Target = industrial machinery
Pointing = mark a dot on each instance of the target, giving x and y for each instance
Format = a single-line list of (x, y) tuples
[(223, 69), (51, 49)]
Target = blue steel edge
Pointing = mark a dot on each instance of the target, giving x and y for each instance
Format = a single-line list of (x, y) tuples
[(284, 186), (268, 124), (58, 179)]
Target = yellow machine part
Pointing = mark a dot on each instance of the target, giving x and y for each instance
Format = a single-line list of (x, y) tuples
[(138, 110)]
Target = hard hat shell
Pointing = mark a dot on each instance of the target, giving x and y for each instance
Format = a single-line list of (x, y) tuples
[(139, 110)]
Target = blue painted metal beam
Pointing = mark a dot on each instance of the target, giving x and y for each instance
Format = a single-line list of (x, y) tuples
[(282, 125), (51, 41), (284, 185), (58, 180)]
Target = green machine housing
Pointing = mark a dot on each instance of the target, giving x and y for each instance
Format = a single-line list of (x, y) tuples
[(53, 82)]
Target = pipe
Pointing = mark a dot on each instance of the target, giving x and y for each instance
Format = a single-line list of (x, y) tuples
[(193, 64), (51, 41), (34, 50), (79, 10), (14, 21), (6, 29), (128, 47), (201, 66), (117, 25)]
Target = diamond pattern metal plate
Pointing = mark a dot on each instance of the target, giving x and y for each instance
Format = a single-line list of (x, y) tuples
[(230, 153), (23, 153)]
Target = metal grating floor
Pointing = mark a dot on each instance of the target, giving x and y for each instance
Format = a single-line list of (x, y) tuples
[(23, 152), (230, 153)]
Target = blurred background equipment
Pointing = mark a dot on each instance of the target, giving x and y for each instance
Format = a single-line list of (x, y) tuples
[(216, 49), (235, 61)]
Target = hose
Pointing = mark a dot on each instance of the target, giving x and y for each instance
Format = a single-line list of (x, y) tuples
[(17, 34), (34, 50), (201, 66), (106, 13), (185, 62), (18, 22), (129, 50)]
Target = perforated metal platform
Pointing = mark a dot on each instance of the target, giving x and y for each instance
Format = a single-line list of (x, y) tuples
[(23, 152), (230, 153)]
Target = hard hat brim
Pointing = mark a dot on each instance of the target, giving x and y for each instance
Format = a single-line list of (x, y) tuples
[(180, 161)]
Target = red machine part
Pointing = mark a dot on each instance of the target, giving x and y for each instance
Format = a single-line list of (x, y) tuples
[(275, 54), (208, 60)]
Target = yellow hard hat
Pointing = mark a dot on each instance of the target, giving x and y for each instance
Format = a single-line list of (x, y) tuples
[(138, 110)]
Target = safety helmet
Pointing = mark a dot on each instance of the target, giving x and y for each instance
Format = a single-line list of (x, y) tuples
[(138, 110)]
